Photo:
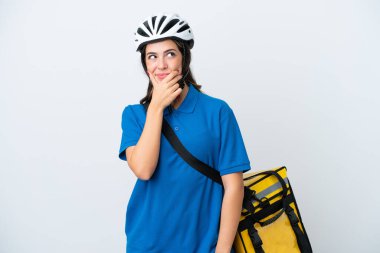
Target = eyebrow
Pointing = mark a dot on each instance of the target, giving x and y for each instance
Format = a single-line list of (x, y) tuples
[(164, 52)]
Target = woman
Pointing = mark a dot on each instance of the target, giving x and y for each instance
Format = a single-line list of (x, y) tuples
[(173, 207)]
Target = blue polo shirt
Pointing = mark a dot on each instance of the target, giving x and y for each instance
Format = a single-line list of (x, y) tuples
[(178, 209)]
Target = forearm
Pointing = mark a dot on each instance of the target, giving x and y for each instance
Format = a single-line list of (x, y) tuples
[(230, 217), (146, 152)]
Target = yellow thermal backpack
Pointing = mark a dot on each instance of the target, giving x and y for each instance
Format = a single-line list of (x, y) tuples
[(270, 220)]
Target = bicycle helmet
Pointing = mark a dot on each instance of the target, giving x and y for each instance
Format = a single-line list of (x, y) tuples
[(157, 27)]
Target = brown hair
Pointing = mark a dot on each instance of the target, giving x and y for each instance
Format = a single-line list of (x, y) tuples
[(186, 59)]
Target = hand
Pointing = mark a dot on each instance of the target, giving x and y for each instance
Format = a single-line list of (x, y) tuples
[(166, 90)]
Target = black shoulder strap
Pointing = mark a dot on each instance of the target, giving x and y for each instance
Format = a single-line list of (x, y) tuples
[(185, 154)]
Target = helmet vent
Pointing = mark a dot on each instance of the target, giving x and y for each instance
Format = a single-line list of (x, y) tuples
[(147, 26), (160, 23), (170, 25), (154, 20), (142, 32), (183, 28)]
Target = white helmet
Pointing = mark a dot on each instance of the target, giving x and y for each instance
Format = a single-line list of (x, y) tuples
[(161, 26)]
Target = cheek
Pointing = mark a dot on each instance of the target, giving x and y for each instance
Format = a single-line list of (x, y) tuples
[(151, 66), (177, 64)]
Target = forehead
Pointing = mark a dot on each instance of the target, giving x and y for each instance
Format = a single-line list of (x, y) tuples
[(161, 46)]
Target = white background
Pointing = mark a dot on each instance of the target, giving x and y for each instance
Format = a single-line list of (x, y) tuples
[(302, 78)]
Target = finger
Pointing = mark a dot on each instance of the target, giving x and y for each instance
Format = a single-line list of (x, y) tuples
[(175, 94), (170, 76), (174, 87), (174, 80), (178, 92)]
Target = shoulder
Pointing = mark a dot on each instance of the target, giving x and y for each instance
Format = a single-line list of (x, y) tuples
[(134, 112), (133, 109), (214, 104)]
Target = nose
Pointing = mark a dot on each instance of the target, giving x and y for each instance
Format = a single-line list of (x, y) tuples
[(162, 63)]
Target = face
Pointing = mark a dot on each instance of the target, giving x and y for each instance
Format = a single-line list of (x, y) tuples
[(162, 58)]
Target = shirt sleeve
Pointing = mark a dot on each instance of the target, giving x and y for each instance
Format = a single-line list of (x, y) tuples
[(232, 153), (131, 131)]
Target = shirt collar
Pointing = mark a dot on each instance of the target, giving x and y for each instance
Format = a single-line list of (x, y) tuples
[(188, 104)]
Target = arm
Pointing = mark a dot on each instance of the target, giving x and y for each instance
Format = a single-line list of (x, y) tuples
[(231, 211), (143, 157)]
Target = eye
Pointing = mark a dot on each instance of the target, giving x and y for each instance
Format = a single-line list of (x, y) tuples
[(149, 56), (172, 53)]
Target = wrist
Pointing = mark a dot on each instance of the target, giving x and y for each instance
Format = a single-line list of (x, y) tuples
[(220, 249), (155, 108)]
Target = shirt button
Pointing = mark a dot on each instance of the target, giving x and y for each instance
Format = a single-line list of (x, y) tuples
[(176, 128)]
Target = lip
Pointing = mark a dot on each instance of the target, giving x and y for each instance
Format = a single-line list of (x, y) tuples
[(161, 76)]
